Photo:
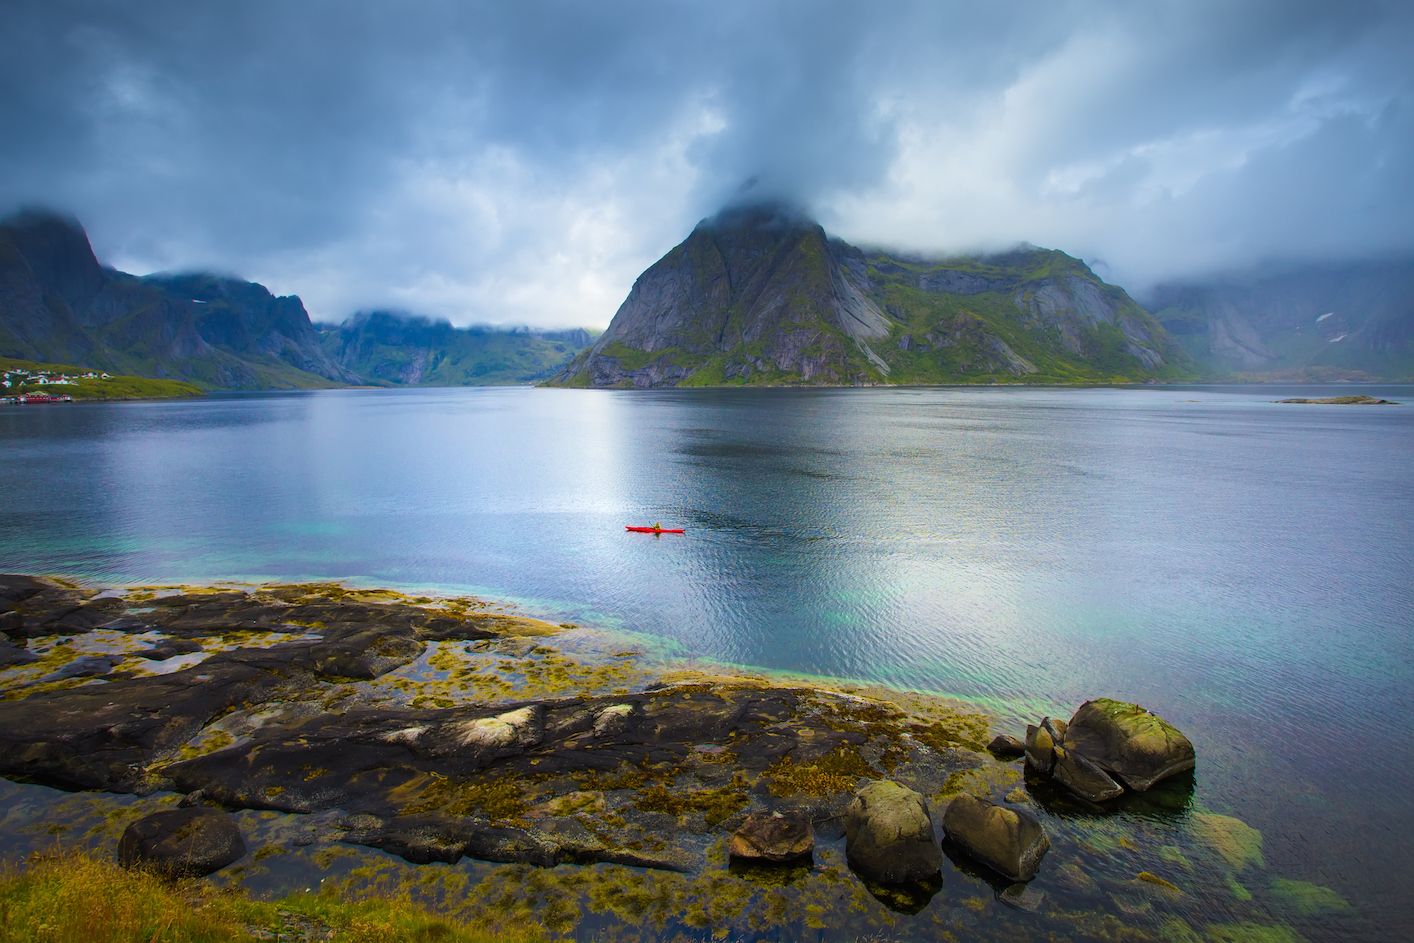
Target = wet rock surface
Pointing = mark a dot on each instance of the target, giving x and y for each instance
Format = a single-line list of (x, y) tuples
[(283, 707), (773, 838), (1138, 747), (186, 842), (889, 835), (1108, 745), (1009, 841), (1006, 746)]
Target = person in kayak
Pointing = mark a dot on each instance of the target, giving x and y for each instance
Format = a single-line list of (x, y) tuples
[(657, 525)]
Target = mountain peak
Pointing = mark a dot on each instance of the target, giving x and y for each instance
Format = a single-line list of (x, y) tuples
[(759, 295), (768, 215)]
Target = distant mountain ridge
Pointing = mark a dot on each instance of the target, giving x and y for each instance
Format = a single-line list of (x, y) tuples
[(59, 304), (1316, 321), (404, 349), (760, 295)]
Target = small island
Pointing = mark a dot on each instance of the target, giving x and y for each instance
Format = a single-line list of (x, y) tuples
[(1360, 400)]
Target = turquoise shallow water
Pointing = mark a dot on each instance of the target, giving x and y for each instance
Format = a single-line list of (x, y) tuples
[(1240, 566)]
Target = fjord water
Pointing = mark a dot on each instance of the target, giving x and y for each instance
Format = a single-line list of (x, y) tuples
[(1240, 566)]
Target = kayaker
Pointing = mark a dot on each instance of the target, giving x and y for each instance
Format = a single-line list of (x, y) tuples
[(657, 525)]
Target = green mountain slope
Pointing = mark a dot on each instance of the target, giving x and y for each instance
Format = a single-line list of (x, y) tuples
[(762, 296), (116, 386), (399, 349)]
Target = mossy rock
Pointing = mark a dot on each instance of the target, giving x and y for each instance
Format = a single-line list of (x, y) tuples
[(1127, 741)]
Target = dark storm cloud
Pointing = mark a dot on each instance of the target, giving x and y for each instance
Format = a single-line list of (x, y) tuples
[(522, 162)]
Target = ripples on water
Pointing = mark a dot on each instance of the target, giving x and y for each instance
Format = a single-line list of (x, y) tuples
[(1243, 567)]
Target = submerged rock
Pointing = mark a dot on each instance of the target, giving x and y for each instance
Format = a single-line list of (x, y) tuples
[(889, 835), (1009, 841), (773, 837), (1128, 742), (1236, 842), (1360, 400), (189, 842)]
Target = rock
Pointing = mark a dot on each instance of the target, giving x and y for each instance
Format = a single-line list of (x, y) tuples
[(612, 720), (1023, 897), (86, 666), (189, 842), (1361, 400), (12, 623), (1238, 843), (889, 835), (169, 648), (774, 837), (1082, 777), (1040, 746), (1006, 747), (1009, 841), (11, 654), (1128, 742)]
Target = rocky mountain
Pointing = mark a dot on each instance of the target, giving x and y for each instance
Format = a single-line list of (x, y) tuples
[(400, 349), (760, 295), (57, 303), (1346, 321)]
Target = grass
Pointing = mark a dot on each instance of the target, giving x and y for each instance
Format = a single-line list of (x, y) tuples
[(76, 897), (115, 387)]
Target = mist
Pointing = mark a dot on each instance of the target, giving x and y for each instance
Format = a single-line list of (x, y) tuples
[(491, 163)]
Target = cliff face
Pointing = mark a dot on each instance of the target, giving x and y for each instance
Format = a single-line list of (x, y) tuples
[(1351, 320), (762, 296), (58, 304), (755, 295)]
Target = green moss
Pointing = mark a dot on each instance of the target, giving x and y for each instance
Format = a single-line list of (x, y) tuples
[(82, 898), (829, 774), (500, 799), (1149, 877), (1306, 899), (714, 805), (1251, 933)]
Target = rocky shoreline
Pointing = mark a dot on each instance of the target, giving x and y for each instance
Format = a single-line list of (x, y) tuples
[(440, 729)]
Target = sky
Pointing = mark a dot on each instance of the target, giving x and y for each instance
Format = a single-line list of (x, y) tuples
[(522, 163)]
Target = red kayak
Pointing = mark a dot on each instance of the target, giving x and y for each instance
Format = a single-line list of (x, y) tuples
[(655, 530)]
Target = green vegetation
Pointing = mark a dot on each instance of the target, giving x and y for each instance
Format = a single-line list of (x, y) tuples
[(114, 387), (80, 898), (395, 350)]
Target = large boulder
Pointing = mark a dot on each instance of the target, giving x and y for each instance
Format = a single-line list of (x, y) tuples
[(189, 842), (1009, 841), (773, 838), (1128, 742), (889, 835)]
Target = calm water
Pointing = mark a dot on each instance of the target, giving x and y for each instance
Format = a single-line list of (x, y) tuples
[(1242, 567)]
